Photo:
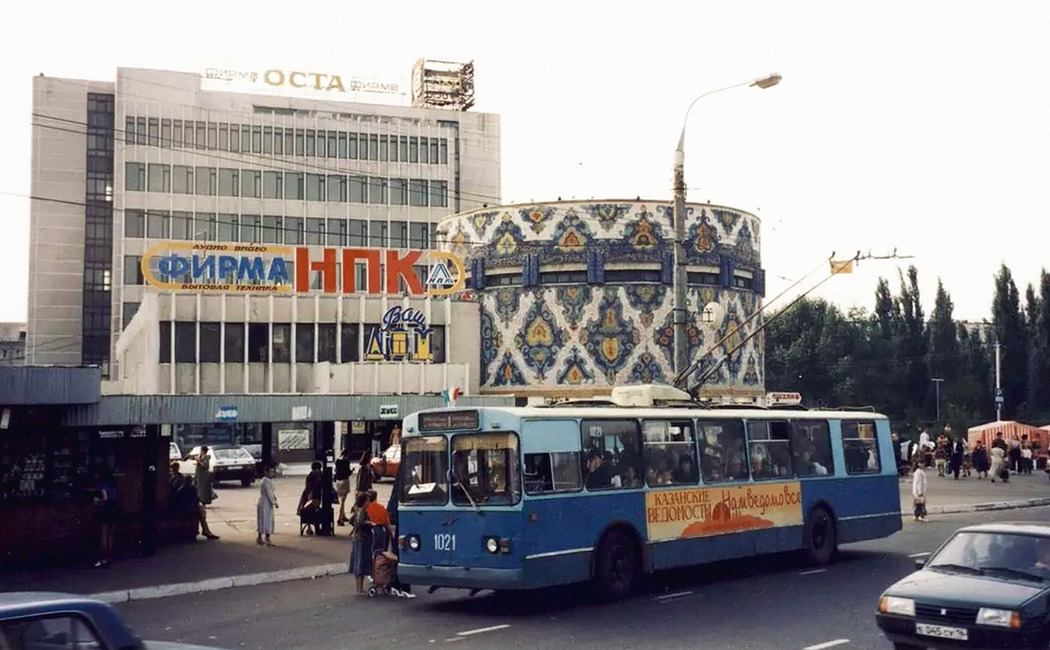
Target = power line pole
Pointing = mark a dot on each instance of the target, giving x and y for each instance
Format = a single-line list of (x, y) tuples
[(998, 387), (937, 382)]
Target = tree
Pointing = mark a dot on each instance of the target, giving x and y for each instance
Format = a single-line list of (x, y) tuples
[(943, 353), (1039, 355), (913, 345), (1008, 327)]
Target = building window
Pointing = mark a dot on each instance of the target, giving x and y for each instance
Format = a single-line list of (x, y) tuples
[(331, 152), (235, 138), (340, 146), (326, 342), (418, 235), (130, 309), (140, 131), (229, 181), (434, 151), (135, 177), (315, 232), (315, 187), (224, 137), (358, 189), (233, 342), (413, 149), (134, 223), (398, 234), (258, 342), (377, 234), (293, 186), (257, 139), (207, 181), (351, 144), (348, 352), (251, 183), (424, 151), (273, 185), (293, 230), (563, 277), (202, 138), (304, 342), (185, 342), (132, 270), (300, 138), (182, 179), (246, 138), (398, 191), (271, 230), (159, 178), (282, 342), (250, 224), (402, 149), (267, 139), (337, 189), (384, 148), (373, 147), (158, 225), (443, 151), (204, 226), (227, 227), (211, 342), (278, 141), (358, 232), (213, 138), (165, 341), (336, 232), (439, 194), (417, 192), (311, 143), (377, 188), (182, 225)]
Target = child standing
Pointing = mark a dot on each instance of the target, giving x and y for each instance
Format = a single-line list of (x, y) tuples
[(918, 491)]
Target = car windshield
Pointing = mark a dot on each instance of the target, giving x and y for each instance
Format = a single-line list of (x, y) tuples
[(485, 469), (1002, 554), (424, 470), (232, 454)]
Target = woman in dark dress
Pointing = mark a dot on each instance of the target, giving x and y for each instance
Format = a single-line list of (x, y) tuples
[(108, 513)]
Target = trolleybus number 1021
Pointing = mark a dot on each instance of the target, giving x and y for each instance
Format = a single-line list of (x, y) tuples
[(445, 542)]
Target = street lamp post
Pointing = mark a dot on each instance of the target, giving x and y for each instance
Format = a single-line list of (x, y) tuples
[(937, 382), (679, 305)]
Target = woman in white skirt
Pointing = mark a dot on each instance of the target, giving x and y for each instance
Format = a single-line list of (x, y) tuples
[(264, 510)]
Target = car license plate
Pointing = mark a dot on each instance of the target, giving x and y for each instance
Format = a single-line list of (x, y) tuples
[(941, 631)]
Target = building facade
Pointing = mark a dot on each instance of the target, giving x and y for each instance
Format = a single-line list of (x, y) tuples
[(158, 162), (12, 344), (576, 296)]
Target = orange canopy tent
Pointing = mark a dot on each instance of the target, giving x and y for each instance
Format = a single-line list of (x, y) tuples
[(1010, 430)]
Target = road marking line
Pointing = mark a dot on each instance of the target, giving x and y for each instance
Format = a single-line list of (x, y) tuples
[(455, 638), (674, 595), (809, 573), (918, 555), (482, 630), (828, 644)]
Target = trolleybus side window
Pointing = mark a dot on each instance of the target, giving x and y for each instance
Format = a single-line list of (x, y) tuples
[(485, 469), (769, 449), (424, 470), (611, 454), (811, 448), (670, 453), (860, 447), (722, 455), (552, 472)]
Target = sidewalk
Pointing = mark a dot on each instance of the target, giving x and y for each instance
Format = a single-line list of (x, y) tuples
[(235, 560), (209, 565), (947, 495)]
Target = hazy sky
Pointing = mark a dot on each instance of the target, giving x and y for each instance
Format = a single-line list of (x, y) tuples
[(917, 126)]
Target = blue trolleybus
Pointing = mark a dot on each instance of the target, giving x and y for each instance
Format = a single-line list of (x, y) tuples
[(512, 498)]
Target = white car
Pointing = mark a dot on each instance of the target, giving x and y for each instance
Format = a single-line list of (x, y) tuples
[(228, 463)]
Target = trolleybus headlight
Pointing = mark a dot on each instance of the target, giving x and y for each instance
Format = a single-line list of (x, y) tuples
[(412, 541), (492, 545)]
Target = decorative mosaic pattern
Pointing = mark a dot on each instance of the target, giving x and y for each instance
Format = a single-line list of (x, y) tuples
[(560, 337)]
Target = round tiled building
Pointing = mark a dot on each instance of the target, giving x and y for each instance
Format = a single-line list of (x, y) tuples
[(576, 296)]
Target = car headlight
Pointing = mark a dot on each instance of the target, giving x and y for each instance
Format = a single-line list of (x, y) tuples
[(897, 605), (998, 617)]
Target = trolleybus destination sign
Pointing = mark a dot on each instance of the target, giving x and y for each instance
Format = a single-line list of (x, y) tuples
[(265, 268)]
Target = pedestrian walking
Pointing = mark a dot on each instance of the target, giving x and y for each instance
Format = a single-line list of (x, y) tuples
[(980, 459), (955, 460), (264, 509), (364, 473), (1015, 454), (999, 468), (918, 491), (108, 513), (361, 548), (342, 483)]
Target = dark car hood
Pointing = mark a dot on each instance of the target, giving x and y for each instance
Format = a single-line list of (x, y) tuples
[(953, 589)]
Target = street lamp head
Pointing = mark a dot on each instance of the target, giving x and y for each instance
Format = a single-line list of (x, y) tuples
[(767, 82)]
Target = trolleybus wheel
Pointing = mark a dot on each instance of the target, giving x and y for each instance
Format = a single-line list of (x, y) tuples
[(820, 538), (616, 565)]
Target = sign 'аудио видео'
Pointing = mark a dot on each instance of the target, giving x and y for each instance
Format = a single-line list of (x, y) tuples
[(262, 268)]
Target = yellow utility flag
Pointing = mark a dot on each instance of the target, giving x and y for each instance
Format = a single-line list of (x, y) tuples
[(841, 267)]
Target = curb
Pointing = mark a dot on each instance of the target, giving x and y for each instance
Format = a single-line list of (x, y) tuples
[(214, 584), (981, 507)]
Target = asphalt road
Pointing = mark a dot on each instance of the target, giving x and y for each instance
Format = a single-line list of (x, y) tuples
[(768, 603)]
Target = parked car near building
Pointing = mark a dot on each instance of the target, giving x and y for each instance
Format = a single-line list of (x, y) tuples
[(386, 464), (174, 453), (986, 587), (51, 620), (228, 463)]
